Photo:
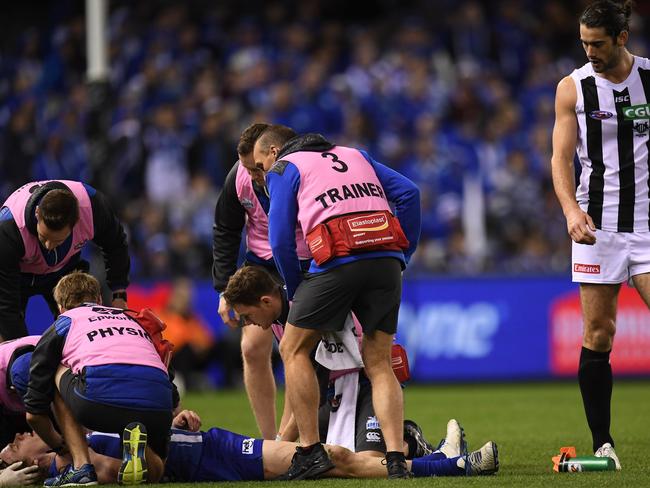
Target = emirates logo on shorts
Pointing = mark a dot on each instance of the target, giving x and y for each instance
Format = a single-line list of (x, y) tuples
[(586, 268)]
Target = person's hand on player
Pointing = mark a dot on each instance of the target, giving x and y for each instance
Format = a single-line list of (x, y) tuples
[(16, 475), (581, 227), (188, 420), (227, 315)]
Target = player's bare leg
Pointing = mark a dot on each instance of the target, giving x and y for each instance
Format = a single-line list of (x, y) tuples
[(311, 459), (256, 348), (387, 397), (73, 433), (642, 285), (599, 305), (301, 382)]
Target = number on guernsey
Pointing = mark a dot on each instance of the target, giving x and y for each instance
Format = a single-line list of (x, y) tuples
[(335, 159)]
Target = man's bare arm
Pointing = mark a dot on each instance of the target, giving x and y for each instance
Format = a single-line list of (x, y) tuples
[(580, 226)]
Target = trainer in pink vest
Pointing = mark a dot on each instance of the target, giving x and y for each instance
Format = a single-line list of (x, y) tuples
[(101, 335), (326, 194), (33, 260), (9, 399), (257, 222)]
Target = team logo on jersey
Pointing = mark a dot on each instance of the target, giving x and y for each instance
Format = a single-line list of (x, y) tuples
[(246, 203), (247, 446), (600, 114), (635, 112), (372, 423), (641, 128)]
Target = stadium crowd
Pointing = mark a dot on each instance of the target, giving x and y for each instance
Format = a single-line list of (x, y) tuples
[(457, 95)]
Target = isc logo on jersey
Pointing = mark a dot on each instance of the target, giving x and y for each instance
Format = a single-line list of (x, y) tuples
[(634, 112), (247, 446)]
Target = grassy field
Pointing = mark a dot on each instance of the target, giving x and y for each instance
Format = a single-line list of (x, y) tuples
[(529, 422)]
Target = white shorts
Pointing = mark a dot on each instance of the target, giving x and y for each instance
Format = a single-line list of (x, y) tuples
[(615, 258)]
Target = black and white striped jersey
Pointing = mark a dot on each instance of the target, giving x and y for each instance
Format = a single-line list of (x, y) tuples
[(612, 146)]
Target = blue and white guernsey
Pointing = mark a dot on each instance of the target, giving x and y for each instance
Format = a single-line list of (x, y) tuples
[(215, 455)]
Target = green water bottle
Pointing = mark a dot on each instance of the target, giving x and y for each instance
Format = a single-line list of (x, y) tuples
[(585, 463)]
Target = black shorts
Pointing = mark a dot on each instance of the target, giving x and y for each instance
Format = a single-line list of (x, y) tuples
[(367, 434), (110, 418), (371, 288)]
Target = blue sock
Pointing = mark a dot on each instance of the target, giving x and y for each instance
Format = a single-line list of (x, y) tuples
[(434, 456), (421, 467)]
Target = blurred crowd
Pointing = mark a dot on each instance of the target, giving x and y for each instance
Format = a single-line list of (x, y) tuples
[(457, 95)]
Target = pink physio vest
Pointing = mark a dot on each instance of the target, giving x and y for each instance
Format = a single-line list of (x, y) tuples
[(257, 222), (83, 231), (102, 335), (9, 399), (325, 192)]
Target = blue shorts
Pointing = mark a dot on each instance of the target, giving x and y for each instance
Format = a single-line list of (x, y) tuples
[(230, 457), (215, 455)]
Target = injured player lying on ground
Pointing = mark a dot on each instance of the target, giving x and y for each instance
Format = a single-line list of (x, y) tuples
[(220, 455)]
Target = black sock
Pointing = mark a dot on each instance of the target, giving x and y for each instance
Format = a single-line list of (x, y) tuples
[(395, 456), (595, 379)]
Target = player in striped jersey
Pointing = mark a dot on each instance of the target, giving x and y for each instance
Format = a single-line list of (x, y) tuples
[(602, 111)]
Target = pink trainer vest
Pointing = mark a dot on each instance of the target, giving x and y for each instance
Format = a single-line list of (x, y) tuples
[(9, 399), (257, 222), (33, 260), (102, 335), (326, 191)]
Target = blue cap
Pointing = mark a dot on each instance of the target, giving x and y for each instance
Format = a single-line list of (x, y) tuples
[(20, 373)]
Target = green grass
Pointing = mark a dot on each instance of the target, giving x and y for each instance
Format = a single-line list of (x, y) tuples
[(529, 422)]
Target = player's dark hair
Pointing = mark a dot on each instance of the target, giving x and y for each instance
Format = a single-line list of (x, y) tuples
[(612, 16), (275, 135), (248, 285), (249, 136), (58, 209)]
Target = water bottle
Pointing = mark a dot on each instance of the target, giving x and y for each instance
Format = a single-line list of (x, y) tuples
[(579, 464)]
